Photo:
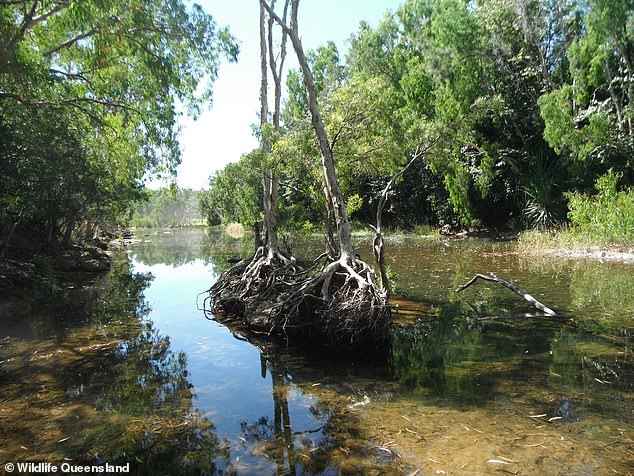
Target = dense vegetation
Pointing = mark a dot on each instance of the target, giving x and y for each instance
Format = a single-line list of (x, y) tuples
[(519, 108), (90, 92)]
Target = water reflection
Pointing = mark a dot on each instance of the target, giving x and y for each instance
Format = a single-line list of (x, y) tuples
[(108, 390), (179, 247), (471, 378), (470, 361), (312, 425)]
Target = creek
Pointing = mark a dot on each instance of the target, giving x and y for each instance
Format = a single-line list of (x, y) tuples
[(474, 383)]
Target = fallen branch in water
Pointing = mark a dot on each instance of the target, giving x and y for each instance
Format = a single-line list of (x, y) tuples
[(512, 287)]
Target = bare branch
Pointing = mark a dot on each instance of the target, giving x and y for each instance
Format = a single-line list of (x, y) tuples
[(101, 102), (73, 76), (43, 16), (473, 280), (512, 287), (17, 97), (281, 22)]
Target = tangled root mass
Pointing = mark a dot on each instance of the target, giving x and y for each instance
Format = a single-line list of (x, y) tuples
[(338, 306)]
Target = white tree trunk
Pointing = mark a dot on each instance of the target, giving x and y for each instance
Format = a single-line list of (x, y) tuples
[(334, 194), (269, 184)]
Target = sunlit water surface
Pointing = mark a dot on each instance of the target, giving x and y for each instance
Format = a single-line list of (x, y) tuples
[(475, 383)]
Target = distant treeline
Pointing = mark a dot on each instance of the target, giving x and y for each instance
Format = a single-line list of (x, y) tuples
[(521, 109), (168, 207)]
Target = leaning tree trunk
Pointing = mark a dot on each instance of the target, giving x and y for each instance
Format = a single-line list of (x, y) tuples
[(341, 302), (334, 194)]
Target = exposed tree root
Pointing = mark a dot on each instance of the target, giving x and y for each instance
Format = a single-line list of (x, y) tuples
[(338, 306), (239, 289), (341, 305)]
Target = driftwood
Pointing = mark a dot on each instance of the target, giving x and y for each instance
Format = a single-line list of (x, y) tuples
[(512, 287)]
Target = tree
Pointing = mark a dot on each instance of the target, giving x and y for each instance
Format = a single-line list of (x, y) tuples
[(225, 202), (589, 117), (112, 72), (357, 304), (271, 185)]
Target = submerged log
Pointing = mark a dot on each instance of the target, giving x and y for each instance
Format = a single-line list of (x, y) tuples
[(512, 287)]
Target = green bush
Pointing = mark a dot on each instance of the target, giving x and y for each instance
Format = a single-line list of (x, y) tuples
[(606, 216)]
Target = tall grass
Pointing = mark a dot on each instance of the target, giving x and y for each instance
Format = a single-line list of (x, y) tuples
[(607, 216), (604, 219)]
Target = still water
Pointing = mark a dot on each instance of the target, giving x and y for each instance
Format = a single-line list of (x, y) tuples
[(475, 383)]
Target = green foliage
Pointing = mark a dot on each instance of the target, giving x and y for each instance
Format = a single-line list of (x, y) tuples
[(353, 204), (556, 109), (513, 103), (589, 117), (225, 202), (544, 206), (608, 215), (88, 95)]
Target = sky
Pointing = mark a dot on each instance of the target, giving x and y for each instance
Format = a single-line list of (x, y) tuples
[(223, 132)]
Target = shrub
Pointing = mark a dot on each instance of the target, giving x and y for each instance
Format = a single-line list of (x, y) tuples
[(606, 216)]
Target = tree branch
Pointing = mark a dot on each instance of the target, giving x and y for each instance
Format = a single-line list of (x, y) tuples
[(73, 76), (101, 102), (281, 22), (512, 287), (40, 18), (12, 41), (71, 41)]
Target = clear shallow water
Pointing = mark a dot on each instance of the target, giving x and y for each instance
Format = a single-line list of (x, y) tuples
[(472, 386)]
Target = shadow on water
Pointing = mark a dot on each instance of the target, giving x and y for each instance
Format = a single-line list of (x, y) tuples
[(109, 389)]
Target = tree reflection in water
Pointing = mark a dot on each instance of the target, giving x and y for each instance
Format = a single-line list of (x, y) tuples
[(277, 436), (110, 389), (325, 440)]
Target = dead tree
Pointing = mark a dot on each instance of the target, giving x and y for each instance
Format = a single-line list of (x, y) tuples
[(344, 291), (520, 292), (377, 242)]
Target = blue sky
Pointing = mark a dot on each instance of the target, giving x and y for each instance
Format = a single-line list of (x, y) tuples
[(223, 133)]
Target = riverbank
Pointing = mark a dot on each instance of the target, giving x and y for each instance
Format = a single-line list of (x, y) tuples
[(556, 244), (564, 244), (559, 244), (49, 279)]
